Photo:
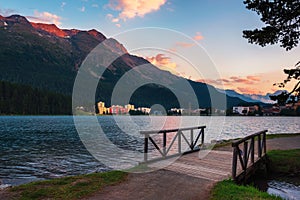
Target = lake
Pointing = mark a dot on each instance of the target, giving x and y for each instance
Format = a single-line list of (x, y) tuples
[(43, 147)]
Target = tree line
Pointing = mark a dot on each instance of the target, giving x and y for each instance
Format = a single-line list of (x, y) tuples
[(16, 99)]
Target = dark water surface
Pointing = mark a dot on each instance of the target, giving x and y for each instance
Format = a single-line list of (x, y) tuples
[(43, 147)]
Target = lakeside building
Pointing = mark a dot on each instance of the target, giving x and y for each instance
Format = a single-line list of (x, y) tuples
[(129, 107), (144, 110), (119, 110), (245, 110), (101, 108), (241, 110)]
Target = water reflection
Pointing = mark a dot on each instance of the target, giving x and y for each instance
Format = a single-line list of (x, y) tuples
[(284, 190)]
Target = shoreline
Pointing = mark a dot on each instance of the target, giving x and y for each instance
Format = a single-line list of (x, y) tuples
[(274, 138)]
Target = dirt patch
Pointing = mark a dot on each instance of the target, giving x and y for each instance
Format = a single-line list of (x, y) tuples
[(161, 184)]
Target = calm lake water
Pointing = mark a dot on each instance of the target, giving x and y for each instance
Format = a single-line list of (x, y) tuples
[(42, 147)]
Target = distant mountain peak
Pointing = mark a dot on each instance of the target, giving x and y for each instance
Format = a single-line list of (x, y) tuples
[(13, 19)]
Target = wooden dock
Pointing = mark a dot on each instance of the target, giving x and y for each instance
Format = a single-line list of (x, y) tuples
[(238, 163), (214, 166)]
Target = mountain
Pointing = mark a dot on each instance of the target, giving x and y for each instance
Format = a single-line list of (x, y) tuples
[(47, 57), (252, 98)]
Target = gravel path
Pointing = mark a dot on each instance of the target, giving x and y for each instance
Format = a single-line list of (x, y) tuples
[(158, 185)]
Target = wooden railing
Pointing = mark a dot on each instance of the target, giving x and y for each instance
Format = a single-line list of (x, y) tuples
[(164, 150), (247, 152)]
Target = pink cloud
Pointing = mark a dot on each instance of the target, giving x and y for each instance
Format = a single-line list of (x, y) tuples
[(184, 44), (233, 80), (254, 78), (113, 19), (162, 61), (216, 82), (249, 90), (45, 17), (251, 84), (236, 79), (138, 8), (198, 36)]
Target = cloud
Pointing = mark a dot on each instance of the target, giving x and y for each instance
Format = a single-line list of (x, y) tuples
[(95, 5), (45, 17), (138, 8), (198, 36), (7, 12), (162, 61), (233, 80), (82, 9), (249, 80), (216, 82), (173, 49), (113, 19), (109, 16), (248, 90), (62, 5), (254, 78), (184, 44)]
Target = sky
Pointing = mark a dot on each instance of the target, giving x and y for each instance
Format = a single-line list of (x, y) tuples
[(197, 39)]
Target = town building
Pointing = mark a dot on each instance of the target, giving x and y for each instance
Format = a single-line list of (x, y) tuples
[(241, 110)]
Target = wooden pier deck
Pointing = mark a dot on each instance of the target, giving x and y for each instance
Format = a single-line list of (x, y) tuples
[(239, 163), (211, 165)]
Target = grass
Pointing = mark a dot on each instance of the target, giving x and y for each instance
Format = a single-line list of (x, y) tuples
[(281, 135), (227, 143), (285, 165), (227, 189), (73, 187)]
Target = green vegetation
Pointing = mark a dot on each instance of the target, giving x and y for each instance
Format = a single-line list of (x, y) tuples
[(229, 190), (16, 99), (73, 187), (285, 165), (281, 135), (282, 28)]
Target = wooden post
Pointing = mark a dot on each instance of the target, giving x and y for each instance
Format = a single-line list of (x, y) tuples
[(245, 156), (202, 136), (146, 147), (192, 139), (179, 141), (164, 143), (252, 149), (234, 162), (259, 145), (264, 142)]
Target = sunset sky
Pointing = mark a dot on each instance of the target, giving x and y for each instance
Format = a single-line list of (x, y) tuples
[(215, 26)]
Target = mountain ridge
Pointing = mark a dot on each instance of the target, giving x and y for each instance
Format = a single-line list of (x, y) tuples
[(47, 57)]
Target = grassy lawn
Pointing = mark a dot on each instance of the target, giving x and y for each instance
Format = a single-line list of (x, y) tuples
[(285, 165), (73, 187), (228, 190), (281, 135)]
